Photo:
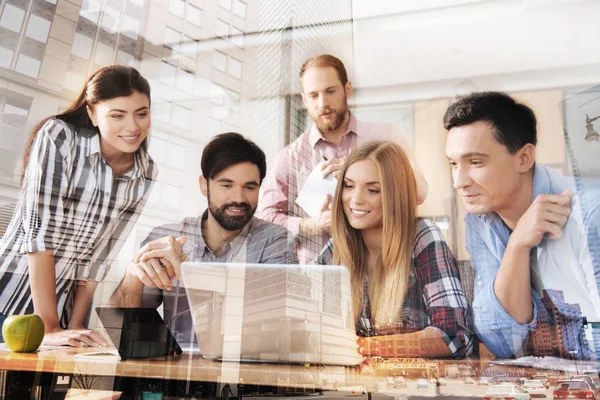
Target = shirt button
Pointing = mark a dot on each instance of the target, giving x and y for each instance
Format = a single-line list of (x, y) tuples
[(90, 246), (479, 283), (66, 291)]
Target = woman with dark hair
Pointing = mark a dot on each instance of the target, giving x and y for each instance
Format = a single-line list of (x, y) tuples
[(86, 172), (404, 277)]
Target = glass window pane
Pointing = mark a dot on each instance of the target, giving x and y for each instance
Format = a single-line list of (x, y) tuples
[(176, 7), (38, 28), (235, 68), (239, 8), (176, 156), (124, 58), (185, 81), (167, 73), (14, 115), (237, 37), (194, 15), (90, 9), (180, 117), (220, 61), (226, 4), (161, 112), (157, 149), (171, 196), (28, 66), (6, 56), (172, 38), (82, 46), (222, 28), (73, 81), (131, 27), (110, 19), (104, 54), (12, 18), (190, 48)]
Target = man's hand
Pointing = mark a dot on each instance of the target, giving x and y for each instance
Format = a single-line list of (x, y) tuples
[(151, 273), (547, 215), (168, 250), (74, 337), (332, 166)]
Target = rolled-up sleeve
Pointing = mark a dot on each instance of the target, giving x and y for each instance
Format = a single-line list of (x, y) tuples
[(502, 335), (447, 306), (275, 200), (44, 186)]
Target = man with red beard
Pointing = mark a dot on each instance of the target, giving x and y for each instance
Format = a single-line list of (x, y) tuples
[(335, 133), (233, 168)]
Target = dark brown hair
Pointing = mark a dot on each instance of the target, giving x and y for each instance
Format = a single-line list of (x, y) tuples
[(323, 61), (105, 84), (514, 123), (229, 149)]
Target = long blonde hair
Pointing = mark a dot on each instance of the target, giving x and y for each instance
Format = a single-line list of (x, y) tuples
[(388, 283)]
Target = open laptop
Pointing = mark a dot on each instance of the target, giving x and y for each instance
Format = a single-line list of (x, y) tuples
[(137, 333), (272, 312)]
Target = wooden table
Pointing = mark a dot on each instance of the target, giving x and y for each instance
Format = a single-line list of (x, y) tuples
[(62, 364)]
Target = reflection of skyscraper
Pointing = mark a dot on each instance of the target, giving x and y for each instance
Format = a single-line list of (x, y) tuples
[(585, 167), (399, 346), (560, 330)]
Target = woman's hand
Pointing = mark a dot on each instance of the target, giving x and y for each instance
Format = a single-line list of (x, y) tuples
[(80, 337)]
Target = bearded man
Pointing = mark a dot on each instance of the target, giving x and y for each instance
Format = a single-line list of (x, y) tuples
[(334, 134), (233, 168)]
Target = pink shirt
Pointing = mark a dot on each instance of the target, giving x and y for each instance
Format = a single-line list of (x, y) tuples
[(295, 162)]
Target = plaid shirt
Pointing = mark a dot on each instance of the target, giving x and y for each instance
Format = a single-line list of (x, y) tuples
[(435, 297), (73, 204)]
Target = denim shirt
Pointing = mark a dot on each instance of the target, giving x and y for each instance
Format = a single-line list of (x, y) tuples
[(486, 240)]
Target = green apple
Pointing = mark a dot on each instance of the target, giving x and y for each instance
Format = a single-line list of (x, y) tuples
[(23, 333)]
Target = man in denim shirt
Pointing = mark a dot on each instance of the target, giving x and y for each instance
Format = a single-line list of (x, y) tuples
[(525, 233)]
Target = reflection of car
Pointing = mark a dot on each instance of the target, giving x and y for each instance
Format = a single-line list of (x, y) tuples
[(505, 392), (535, 388), (399, 382), (468, 380), (588, 379), (574, 389), (543, 379), (483, 381), (422, 384)]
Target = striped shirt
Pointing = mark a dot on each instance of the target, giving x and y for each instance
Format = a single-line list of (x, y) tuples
[(435, 297), (266, 243), (295, 162), (72, 204)]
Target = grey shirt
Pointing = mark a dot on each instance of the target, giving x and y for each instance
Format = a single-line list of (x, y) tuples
[(266, 243)]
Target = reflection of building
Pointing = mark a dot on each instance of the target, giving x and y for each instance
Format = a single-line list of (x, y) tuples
[(300, 314), (560, 330), (192, 52), (399, 346)]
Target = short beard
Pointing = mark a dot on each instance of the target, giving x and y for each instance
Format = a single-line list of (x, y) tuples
[(335, 124), (229, 222)]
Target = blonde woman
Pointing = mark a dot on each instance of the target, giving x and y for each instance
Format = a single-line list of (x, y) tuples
[(404, 276)]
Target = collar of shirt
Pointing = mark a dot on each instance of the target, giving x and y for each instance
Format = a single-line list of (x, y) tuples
[(315, 135), (140, 160), (196, 243)]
